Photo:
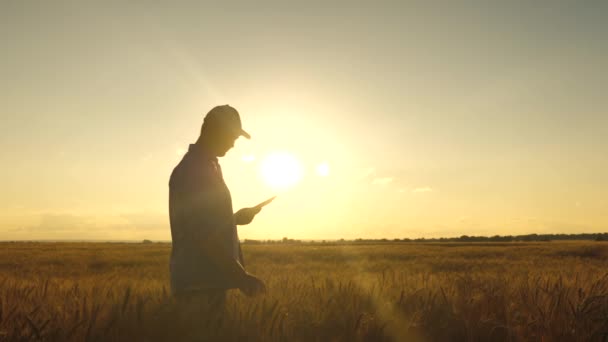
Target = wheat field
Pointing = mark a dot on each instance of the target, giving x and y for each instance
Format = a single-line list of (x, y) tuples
[(547, 291)]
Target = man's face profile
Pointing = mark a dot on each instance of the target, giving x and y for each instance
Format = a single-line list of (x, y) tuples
[(224, 142)]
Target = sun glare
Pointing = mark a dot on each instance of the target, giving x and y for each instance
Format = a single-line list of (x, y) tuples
[(281, 170), (323, 170), (248, 158)]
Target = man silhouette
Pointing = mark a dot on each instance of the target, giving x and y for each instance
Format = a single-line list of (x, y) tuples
[(206, 257)]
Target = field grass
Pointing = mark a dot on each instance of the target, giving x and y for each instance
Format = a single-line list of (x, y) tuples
[(550, 291)]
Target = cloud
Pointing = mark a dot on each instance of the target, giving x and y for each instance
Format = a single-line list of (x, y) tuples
[(368, 171), (364, 173), (382, 180), (422, 189), (71, 226), (61, 223), (145, 221)]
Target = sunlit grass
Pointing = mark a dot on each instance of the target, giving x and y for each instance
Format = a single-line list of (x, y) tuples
[(430, 292)]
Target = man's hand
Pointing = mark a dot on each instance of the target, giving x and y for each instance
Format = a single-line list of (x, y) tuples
[(246, 215), (252, 286)]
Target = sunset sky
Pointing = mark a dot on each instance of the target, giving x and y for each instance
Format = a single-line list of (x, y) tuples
[(429, 119)]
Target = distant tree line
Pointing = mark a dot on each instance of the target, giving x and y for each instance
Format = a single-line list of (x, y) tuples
[(463, 238)]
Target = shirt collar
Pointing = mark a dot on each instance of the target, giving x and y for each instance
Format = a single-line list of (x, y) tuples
[(201, 152)]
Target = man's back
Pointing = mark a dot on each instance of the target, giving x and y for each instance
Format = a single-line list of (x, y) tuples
[(200, 207)]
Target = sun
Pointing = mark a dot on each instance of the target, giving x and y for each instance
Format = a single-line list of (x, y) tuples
[(281, 170)]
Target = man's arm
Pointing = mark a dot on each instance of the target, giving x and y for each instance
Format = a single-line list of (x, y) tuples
[(208, 227), (212, 222), (246, 215)]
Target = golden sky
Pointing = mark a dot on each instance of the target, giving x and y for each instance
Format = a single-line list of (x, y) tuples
[(431, 119)]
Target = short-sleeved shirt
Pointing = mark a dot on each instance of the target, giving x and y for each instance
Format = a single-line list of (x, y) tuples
[(199, 205)]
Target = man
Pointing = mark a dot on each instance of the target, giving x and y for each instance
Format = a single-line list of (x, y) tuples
[(206, 257)]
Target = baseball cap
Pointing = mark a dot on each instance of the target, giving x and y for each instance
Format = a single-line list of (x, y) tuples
[(228, 118)]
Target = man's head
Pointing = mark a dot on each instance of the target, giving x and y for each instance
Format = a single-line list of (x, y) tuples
[(221, 128)]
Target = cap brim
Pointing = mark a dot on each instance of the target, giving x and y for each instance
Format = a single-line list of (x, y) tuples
[(245, 134)]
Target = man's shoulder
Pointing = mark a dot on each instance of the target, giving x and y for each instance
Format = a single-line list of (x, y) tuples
[(193, 170)]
